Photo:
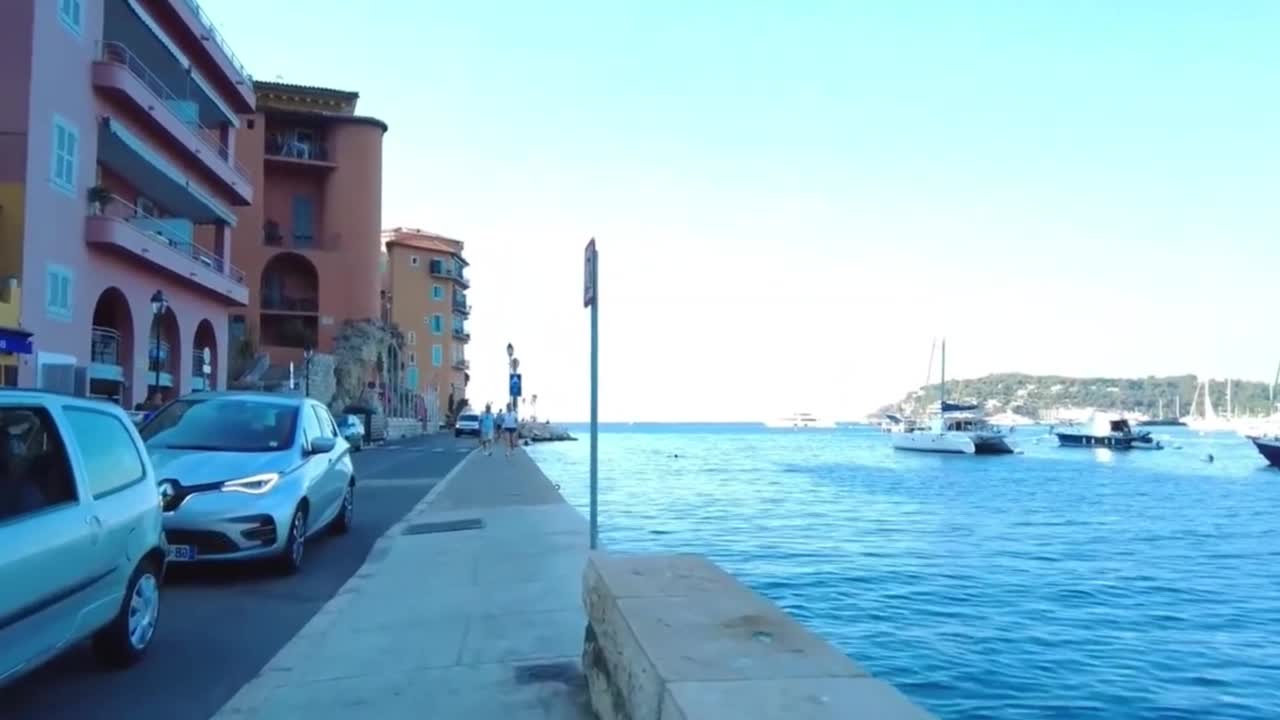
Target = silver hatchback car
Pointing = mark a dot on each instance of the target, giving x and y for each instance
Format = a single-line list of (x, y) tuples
[(247, 476), (81, 546)]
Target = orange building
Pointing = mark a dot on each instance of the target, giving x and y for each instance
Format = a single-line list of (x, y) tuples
[(309, 245), (425, 283)]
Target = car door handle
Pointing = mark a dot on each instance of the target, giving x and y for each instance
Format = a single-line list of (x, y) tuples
[(95, 528)]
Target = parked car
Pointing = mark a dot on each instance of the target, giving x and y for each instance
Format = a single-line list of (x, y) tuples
[(247, 476), (351, 427), (468, 424), (82, 548)]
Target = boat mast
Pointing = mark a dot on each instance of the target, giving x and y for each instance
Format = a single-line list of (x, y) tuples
[(1177, 406), (1228, 398), (942, 386)]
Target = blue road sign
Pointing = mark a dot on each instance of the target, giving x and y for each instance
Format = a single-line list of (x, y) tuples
[(515, 385)]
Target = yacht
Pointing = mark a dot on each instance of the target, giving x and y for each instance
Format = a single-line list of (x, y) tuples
[(1269, 448), (955, 429), (1105, 430), (800, 421)]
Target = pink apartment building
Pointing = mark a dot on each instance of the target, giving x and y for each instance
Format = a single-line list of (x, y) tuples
[(118, 187)]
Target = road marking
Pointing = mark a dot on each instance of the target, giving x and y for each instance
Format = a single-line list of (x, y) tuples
[(437, 449), (463, 450)]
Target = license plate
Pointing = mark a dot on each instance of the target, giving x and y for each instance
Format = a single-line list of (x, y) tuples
[(182, 552)]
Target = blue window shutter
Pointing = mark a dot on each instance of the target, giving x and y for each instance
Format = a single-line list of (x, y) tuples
[(303, 221)]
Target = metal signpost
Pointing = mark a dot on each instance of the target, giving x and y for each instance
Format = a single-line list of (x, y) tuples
[(516, 389), (590, 299)]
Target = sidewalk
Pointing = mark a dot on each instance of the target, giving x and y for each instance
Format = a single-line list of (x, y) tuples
[(470, 624)]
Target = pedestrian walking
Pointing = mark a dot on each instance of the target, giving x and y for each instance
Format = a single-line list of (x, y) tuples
[(486, 429), (511, 428)]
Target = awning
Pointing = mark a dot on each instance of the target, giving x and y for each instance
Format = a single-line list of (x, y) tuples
[(128, 155), (15, 340)]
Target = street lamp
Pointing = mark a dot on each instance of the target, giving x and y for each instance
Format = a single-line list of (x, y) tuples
[(306, 382), (158, 305)]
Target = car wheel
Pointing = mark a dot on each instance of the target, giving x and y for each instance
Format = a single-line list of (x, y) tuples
[(295, 546), (347, 515), (125, 640)]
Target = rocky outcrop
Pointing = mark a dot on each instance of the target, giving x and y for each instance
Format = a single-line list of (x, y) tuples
[(543, 432)]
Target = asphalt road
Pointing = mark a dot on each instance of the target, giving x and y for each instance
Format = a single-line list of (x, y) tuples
[(220, 625)]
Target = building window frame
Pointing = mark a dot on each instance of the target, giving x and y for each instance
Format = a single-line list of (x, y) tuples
[(411, 337), (71, 13), (414, 261), (64, 160), (437, 355), (437, 324), (59, 291), (437, 292), (413, 359)]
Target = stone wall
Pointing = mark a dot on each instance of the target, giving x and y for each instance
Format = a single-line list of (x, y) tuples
[(323, 383), (674, 637), (402, 428)]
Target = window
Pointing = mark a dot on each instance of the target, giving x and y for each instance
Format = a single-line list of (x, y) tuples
[(413, 359), (110, 456), (303, 221), (310, 427), (437, 324), (222, 424), (437, 292), (71, 14), (66, 143), (437, 355), (326, 423), (58, 292), (411, 338), (35, 474), (413, 260)]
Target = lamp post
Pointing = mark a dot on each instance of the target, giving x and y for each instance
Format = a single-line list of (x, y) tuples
[(511, 369), (306, 369), (158, 305)]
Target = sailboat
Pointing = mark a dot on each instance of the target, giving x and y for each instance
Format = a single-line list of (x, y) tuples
[(954, 428), (1209, 421)]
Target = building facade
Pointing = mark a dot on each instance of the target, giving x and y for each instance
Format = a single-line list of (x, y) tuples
[(309, 247), (426, 285), (118, 187)]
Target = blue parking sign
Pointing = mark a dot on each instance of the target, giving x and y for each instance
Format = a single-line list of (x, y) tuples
[(515, 385)]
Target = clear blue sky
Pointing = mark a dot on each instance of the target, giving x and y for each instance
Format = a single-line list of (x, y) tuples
[(792, 199)]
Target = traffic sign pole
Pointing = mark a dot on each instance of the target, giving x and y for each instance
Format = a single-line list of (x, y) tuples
[(590, 297)]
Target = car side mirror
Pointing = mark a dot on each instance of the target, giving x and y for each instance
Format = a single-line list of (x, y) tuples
[(322, 445)]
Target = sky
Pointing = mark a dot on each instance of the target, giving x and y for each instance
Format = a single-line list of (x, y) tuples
[(793, 199)]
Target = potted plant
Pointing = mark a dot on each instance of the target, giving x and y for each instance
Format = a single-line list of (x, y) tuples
[(99, 198)]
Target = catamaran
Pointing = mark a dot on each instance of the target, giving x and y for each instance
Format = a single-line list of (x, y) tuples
[(954, 428)]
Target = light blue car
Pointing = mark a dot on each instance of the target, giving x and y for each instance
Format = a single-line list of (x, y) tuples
[(249, 476)]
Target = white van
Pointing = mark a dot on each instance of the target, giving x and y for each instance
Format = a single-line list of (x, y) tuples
[(82, 549)]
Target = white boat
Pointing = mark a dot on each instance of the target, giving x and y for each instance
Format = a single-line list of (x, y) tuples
[(1104, 430), (1209, 420), (800, 421), (955, 429)]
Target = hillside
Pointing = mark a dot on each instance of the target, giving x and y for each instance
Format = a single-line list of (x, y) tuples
[(1036, 395)]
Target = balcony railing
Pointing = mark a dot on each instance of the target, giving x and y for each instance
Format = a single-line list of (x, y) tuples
[(170, 235), (158, 361), (119, 54), (217, 38), (461, 364), (460, 305), (283, 303), (197, 362), (104, 345), (293, 149), (441, 270), (461, 334)]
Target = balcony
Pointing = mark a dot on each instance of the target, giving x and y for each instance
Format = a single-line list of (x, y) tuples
[(295, 149), (455, 273), (284, 303), (166, 244), (461, 364), (460, 306), (460, 334), (104, 354), (208, 32), (122, 74)]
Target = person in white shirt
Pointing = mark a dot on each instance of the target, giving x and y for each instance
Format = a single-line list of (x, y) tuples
[(511, 428)]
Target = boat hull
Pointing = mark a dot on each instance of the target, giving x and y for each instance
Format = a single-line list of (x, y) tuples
[(951, 443), (1269, 448), (1113, 442)]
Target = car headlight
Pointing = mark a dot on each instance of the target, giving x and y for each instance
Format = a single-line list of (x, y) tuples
[(167, 491), (255, 485)]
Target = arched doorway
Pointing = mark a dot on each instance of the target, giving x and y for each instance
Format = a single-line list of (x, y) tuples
[(289, 301), (111, 347), (204, 376), (164, 343)]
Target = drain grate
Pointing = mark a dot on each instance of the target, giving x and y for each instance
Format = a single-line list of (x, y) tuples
[(441, 527), (565, 673)]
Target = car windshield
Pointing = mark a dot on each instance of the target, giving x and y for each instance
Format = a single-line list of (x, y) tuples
[(469, 418), (222, 424)]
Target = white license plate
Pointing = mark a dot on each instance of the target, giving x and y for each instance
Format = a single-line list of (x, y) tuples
[(182, 552)]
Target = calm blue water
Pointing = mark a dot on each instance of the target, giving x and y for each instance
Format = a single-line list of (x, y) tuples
[(1060, 583)]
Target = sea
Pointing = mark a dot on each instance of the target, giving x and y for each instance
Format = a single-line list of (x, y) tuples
[(1053, 583)]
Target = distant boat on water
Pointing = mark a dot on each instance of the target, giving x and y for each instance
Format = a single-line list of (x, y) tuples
[(954, 429), (1105, 430), (800, 421), (1161, 420), (1269, 448)]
